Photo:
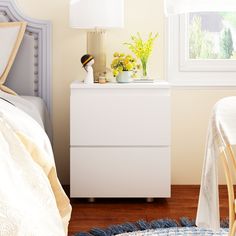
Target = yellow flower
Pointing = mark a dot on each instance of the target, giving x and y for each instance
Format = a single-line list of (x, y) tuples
[(116, 54), (115, 73), (126, 61), (129, 66), (142, 49), (122, 62)]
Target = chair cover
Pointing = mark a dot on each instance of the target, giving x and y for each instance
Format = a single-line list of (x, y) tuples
[(221, 132)]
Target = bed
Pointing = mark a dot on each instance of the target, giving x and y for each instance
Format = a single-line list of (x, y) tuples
[(32, 201), (30, 74)]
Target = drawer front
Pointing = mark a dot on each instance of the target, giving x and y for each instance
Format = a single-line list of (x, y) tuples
[(119, 118), (120, 172)]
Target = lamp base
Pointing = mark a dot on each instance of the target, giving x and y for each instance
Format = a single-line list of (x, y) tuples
[(96, 46)]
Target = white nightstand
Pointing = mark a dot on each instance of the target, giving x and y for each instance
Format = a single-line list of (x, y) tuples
[(120, 140)]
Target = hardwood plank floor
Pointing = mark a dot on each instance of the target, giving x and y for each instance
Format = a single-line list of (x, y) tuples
[(105, 212)]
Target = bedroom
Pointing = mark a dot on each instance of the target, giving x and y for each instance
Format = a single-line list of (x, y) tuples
[(191, 107)]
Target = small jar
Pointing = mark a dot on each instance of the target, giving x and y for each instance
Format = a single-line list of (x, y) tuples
[(102, 80)]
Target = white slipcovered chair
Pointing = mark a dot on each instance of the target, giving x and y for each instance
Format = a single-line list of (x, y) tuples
[(220, 141), (221, 132), (229, 163)]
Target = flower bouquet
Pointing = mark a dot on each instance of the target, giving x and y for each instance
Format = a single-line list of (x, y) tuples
[(142, 49), (124, 67)]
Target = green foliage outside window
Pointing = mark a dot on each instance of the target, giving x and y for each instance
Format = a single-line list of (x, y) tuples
[(226, 44), (212, 44), (200, 42)]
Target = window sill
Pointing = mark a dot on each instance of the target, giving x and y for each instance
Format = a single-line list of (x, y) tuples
[(199, 85)]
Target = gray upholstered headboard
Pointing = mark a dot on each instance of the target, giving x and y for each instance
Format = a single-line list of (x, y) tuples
[(31, 72)]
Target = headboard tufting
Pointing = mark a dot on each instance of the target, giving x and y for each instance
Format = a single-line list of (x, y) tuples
[(31, 72)]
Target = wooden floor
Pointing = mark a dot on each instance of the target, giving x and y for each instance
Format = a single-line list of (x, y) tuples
[(105, 212)]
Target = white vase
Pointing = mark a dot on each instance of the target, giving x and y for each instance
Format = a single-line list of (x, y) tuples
[(124, 77)]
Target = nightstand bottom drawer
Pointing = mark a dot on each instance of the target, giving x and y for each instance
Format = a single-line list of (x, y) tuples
[(120, 172)]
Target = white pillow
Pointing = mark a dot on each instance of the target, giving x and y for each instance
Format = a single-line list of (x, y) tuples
[(11, 35)]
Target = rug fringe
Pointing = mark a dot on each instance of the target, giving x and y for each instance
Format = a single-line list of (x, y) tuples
[(186, 222), (224, 223), (144, 225)]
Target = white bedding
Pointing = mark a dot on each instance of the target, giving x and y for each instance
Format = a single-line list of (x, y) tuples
[(32, 201), (24, 105), (40, 106), (33, 106)]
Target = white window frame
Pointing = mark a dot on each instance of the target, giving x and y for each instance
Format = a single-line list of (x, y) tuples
[(182, 71)]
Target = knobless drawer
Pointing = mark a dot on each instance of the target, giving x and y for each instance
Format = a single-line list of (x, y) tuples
[(121, 117), (120, 172)]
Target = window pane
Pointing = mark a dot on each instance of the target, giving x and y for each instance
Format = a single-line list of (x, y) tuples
[(212, 35)]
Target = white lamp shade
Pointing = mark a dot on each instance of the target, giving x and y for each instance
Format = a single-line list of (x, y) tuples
[(173, 7), (100, 14)]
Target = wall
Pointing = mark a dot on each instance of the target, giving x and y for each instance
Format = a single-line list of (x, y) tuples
[(190, 108)]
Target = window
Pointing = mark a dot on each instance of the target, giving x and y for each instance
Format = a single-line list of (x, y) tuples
[(212, 35), (202, 48)]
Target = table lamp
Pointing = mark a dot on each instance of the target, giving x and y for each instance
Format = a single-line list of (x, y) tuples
[(96, 16)]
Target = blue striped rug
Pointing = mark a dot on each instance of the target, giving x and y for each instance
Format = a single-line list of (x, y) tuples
[(162, 227), (178, 231)]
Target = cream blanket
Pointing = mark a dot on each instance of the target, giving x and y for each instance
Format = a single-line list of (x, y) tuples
[(221, 132), (32, 201)]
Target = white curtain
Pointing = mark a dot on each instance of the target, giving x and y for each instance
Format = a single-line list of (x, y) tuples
[(173, 7)]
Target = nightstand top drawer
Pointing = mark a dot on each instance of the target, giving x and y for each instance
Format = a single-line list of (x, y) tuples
[(120, 117)]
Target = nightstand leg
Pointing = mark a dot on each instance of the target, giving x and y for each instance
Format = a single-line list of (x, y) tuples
[(91, 200), (149, 200)]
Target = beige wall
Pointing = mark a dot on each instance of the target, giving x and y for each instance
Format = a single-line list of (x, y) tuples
[(190, 108)]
